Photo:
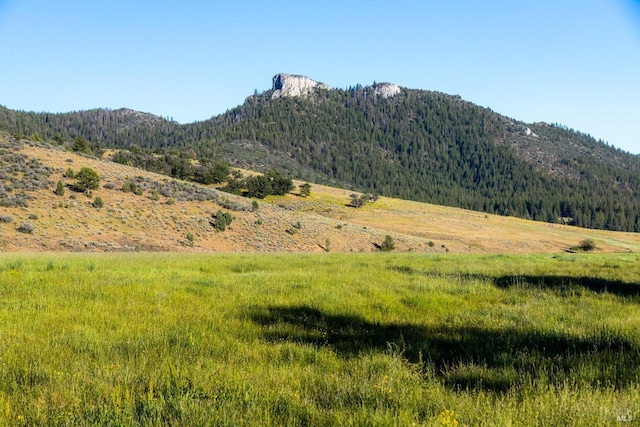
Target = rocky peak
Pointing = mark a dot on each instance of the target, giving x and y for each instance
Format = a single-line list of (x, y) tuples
[(294, 85), (386, 90)]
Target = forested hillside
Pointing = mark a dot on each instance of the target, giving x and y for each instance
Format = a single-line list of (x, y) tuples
[(417, 145)]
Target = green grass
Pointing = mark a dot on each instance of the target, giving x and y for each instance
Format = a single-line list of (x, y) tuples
[(362, 339)]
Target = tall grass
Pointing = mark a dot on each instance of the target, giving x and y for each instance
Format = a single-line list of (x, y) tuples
[(363, 339)]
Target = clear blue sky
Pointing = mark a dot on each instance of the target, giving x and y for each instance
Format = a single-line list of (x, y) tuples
[(575, 62)]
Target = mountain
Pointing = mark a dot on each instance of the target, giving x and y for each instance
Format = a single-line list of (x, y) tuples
[(413, 144)]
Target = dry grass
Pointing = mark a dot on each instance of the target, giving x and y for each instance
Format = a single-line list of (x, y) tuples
[(130, 222)]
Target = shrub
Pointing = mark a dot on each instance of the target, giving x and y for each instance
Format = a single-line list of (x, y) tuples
[(98, 203), (357, 201), (35, 137), (221, 220), (59, 188), (587, 245), (190, 239), (128, 186), (109, 186), (388, 244), (70, 173), (132, 187), (25, 228), (291, 230), (6, 218)]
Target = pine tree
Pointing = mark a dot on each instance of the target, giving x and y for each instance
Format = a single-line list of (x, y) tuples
[(59, 188)]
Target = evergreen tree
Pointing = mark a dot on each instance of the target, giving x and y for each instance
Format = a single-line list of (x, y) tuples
[(305, 189), (87, 179), (59, 188)]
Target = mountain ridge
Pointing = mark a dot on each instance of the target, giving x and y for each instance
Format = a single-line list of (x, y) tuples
[(416, 144)]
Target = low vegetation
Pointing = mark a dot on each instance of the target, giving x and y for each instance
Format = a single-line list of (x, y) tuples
[(362, 339), (221, 220), (388, 244)]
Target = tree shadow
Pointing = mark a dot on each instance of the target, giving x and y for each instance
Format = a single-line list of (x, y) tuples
[(464, 357), (568, 284), (560, 284)]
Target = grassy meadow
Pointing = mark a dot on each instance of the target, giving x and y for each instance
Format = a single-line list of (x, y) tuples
[(361, 339)]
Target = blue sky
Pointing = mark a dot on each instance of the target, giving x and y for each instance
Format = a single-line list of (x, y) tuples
[(574, 62)]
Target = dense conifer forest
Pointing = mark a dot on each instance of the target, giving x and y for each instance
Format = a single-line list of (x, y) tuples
[(417, 145)]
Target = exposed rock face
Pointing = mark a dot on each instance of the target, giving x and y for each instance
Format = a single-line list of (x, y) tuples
[(529, 132), (387, 90), (294, 85)]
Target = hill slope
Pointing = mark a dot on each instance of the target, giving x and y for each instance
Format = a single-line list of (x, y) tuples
[(168, 212), (412, 144)]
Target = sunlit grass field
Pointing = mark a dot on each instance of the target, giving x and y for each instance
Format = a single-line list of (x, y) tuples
[(361, 339)]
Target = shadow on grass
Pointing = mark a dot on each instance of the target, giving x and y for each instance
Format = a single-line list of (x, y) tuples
[(568, 284), (561, 284), (464, 357)]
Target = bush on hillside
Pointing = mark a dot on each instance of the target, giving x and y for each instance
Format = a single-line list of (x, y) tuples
[(388, 244), (25, 228), (587, 245), (221, 220)]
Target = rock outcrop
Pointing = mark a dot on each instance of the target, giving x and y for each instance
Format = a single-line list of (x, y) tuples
[(294, 85), (386, 90)]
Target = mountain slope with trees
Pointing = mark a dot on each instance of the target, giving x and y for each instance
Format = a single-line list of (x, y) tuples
[(418, 145)]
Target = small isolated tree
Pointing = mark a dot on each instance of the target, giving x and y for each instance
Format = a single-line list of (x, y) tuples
[(388, 244), (357, 201), (59, 188), (587, 245), (305, 189), (221, 220), (88, 180), (98, 203)]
